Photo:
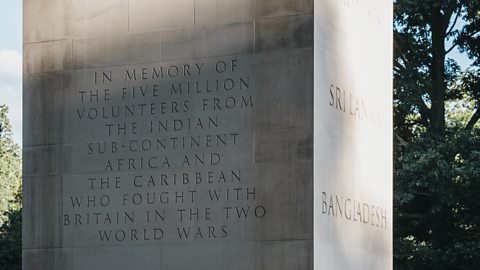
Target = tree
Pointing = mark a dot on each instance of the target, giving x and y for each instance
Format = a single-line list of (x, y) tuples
[(10, 200), (424, 75), (11, 240), (10, 166), (436, 107)]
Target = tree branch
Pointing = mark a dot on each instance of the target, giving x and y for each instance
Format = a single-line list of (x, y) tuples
[(455, 44), (400, 65), (454, 21), (449, 9), (423, 108), (473, 120), (400, 140)]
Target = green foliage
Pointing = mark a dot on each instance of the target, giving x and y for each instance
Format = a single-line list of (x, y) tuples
[(437, 208), (10, 166), (10, 200), (11, 241), (437, 112)]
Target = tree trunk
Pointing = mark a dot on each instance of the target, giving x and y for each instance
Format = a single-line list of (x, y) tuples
[(437, 116), (437, 93), (473, 120)]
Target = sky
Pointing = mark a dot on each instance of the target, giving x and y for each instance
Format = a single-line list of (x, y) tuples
[(11, 63)]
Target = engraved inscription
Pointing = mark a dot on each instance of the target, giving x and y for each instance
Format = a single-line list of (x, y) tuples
[(353, 105), (353, 210), (168, 158)]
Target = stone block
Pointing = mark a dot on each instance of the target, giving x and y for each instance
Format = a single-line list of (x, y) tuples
[(96, 18), (218, 12), (117, 50), (286, 32), (42, 160), (42, 212), (207, 41), (275, 8), (66, 19), (46, 259), (117, 258), (43, 108), (292, 197), (283, 144), (51, 56), (153, 15), (44, 20), (285, 101), (287, 255)]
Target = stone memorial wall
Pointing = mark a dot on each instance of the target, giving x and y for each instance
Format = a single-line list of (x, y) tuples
[(353, 134), (206, 134)]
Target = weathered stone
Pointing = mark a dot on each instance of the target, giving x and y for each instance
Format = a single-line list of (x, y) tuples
[(42, 160), (207, 41), (276, 8), (52, 259), (52, 24), (42, 229), (43, 108), (117, 50), (207, 134), (48, 56), (149, 15), (218, 12), (97, 18), (285, 32), (285, 101)]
